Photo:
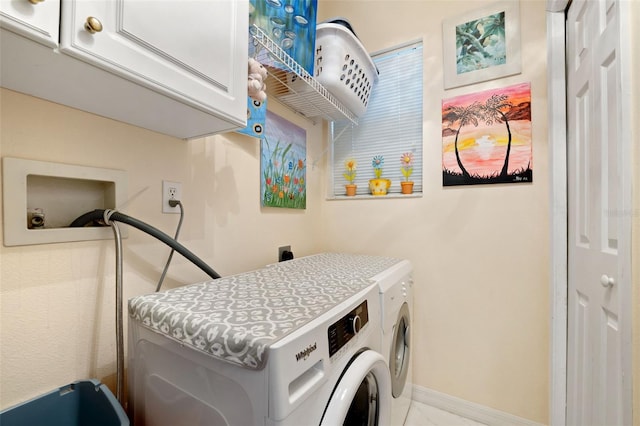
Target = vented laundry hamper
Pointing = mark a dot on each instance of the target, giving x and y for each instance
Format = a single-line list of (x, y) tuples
[(342, 66)]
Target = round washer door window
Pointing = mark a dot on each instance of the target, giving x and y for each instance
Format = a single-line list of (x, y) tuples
[(399, 357), (362, 397)]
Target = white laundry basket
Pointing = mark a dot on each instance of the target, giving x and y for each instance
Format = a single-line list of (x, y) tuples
[(342, 66)]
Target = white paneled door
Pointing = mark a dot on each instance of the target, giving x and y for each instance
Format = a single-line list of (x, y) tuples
[(598, 224)]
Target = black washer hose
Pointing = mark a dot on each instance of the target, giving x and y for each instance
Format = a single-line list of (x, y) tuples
[(97, 216)]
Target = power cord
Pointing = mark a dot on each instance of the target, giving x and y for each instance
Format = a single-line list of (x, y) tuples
[(172, 203)]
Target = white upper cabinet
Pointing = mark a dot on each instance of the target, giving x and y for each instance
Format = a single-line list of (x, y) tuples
[(181, 48), (174, 66), (35, 19)]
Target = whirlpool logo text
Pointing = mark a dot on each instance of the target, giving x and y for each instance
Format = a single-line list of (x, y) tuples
[(304, 354)]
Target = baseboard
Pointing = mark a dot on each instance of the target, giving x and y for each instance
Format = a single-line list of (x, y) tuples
[(470, 410)]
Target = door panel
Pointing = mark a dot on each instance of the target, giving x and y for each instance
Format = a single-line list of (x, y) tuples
[(597, 225)]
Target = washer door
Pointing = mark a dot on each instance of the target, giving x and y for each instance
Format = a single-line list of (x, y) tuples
[(399, 356), (362, 397)]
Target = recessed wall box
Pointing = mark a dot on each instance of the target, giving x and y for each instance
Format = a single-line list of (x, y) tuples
[(60, 193)]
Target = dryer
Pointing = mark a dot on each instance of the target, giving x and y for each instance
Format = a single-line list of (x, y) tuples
[(396, 305), (276, 347)]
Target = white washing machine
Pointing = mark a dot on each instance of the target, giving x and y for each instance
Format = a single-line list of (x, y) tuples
[(273, 347), (396, 296), (394, 279)]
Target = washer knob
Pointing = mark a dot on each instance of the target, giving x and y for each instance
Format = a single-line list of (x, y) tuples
[(355, 324)]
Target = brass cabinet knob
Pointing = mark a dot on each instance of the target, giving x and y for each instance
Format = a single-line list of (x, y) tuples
[(35, 1), (93, 25)]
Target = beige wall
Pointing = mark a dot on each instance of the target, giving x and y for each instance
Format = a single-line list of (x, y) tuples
[(57, 300), (481, 254)]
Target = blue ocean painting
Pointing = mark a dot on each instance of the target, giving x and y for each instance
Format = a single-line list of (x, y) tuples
[(289, 23)]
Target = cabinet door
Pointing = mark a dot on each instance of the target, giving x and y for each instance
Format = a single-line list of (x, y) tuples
[(194, 51), (35, 19)]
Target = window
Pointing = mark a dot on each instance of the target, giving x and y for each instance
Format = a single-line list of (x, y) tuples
[(391, 126)]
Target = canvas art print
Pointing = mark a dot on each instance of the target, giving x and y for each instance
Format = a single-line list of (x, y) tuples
[(486, 137), (482, 44), (283, 164), (291, 25), (256, 117)]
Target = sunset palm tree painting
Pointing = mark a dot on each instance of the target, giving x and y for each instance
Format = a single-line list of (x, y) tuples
[(486, 137)]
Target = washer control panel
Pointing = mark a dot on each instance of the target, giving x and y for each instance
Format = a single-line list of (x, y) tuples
[(343, 330)]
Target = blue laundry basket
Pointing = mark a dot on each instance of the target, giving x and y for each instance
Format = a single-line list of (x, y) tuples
[(81, 403)]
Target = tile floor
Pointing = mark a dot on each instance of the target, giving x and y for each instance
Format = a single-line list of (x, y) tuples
[(425, 415)]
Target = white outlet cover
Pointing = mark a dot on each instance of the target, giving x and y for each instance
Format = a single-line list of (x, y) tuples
[(166, 186)]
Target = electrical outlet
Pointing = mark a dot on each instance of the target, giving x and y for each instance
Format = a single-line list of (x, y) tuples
[(171, 191), (281, 252)]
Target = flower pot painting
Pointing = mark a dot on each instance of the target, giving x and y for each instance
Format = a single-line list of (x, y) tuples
[(406, 187), (350, 166), (406, 167), (486, 137), (379, 186), (283, 164)]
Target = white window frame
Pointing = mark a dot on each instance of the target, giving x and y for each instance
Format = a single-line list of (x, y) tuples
[(383, 127)]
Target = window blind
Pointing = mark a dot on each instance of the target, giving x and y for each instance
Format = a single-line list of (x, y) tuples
[(391, 126)]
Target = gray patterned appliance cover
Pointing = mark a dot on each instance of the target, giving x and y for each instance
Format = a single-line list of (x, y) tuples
[(236, 318)]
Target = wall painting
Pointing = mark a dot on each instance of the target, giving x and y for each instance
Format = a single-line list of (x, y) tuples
[(486, 137), (283, 164), (482, 44)]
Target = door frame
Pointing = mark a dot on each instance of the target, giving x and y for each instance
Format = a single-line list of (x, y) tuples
[(557, 133), (557, 128)]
